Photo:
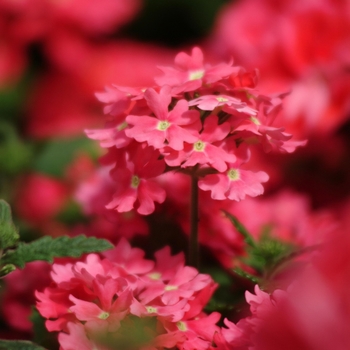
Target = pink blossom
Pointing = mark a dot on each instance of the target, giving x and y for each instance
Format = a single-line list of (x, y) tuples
[(280, 42), (174, 127), (210, 102), (18, 296), (184, 284), (166, 265), (113, 134), (133, 182), (76, 338), (129, 260), (235, 184), (40, 197), (204, 150), (108, 314), (199, 332), (106, 298), (192, 72)]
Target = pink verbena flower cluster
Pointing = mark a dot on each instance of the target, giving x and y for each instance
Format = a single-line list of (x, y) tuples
[(198, 119), (125, 301)]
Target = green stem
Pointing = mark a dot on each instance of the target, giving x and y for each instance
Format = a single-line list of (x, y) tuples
[(193, 252)]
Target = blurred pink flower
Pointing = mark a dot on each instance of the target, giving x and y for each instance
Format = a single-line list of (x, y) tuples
[(40, 198), (106, 297), (298, 46), (18, 296)]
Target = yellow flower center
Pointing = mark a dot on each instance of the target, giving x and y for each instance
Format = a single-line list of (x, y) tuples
[(233, 174), (169, 287), (196, 74), (181, 326), (103, 315), (155, 275), (151, 309), (135, 181), (163, 125), (199, 146), (255, 120), (222, 99), (122, 126)]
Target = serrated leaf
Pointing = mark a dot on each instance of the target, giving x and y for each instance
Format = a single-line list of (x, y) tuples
[(19, 345), (5, 270), (8, 232), (248, 238), (246, 275), (47, 248)]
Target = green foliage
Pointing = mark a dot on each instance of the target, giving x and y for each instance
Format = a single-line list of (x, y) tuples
[(46, 248), (134, 333), (8, 232), (6, 269), (244, 274), (264, 255), (248, 238), (15, 155), (226, 298), (57, 154), (41, 335), (19, 345)]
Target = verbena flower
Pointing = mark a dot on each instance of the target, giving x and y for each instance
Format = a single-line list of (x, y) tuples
[(196, 119), (125, 299)]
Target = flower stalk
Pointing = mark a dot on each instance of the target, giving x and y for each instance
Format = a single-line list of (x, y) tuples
[(193, 252)]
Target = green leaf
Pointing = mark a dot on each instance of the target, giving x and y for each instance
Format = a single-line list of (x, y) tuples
[(248, 238), (5, 270), (47, 248), (57, 154), (19, 345), (246, 275), (41, 335), (15, 154), (8, 232)]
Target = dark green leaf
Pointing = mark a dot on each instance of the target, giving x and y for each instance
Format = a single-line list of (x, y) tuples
[(247, 275), (19, 345), (47, 248), (8, 232), (248, 238), (41, 335), (59, 153), (15, 155), (5, 270)]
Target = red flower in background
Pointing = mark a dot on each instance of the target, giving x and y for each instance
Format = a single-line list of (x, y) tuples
[(40, 198), (302, 46)]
